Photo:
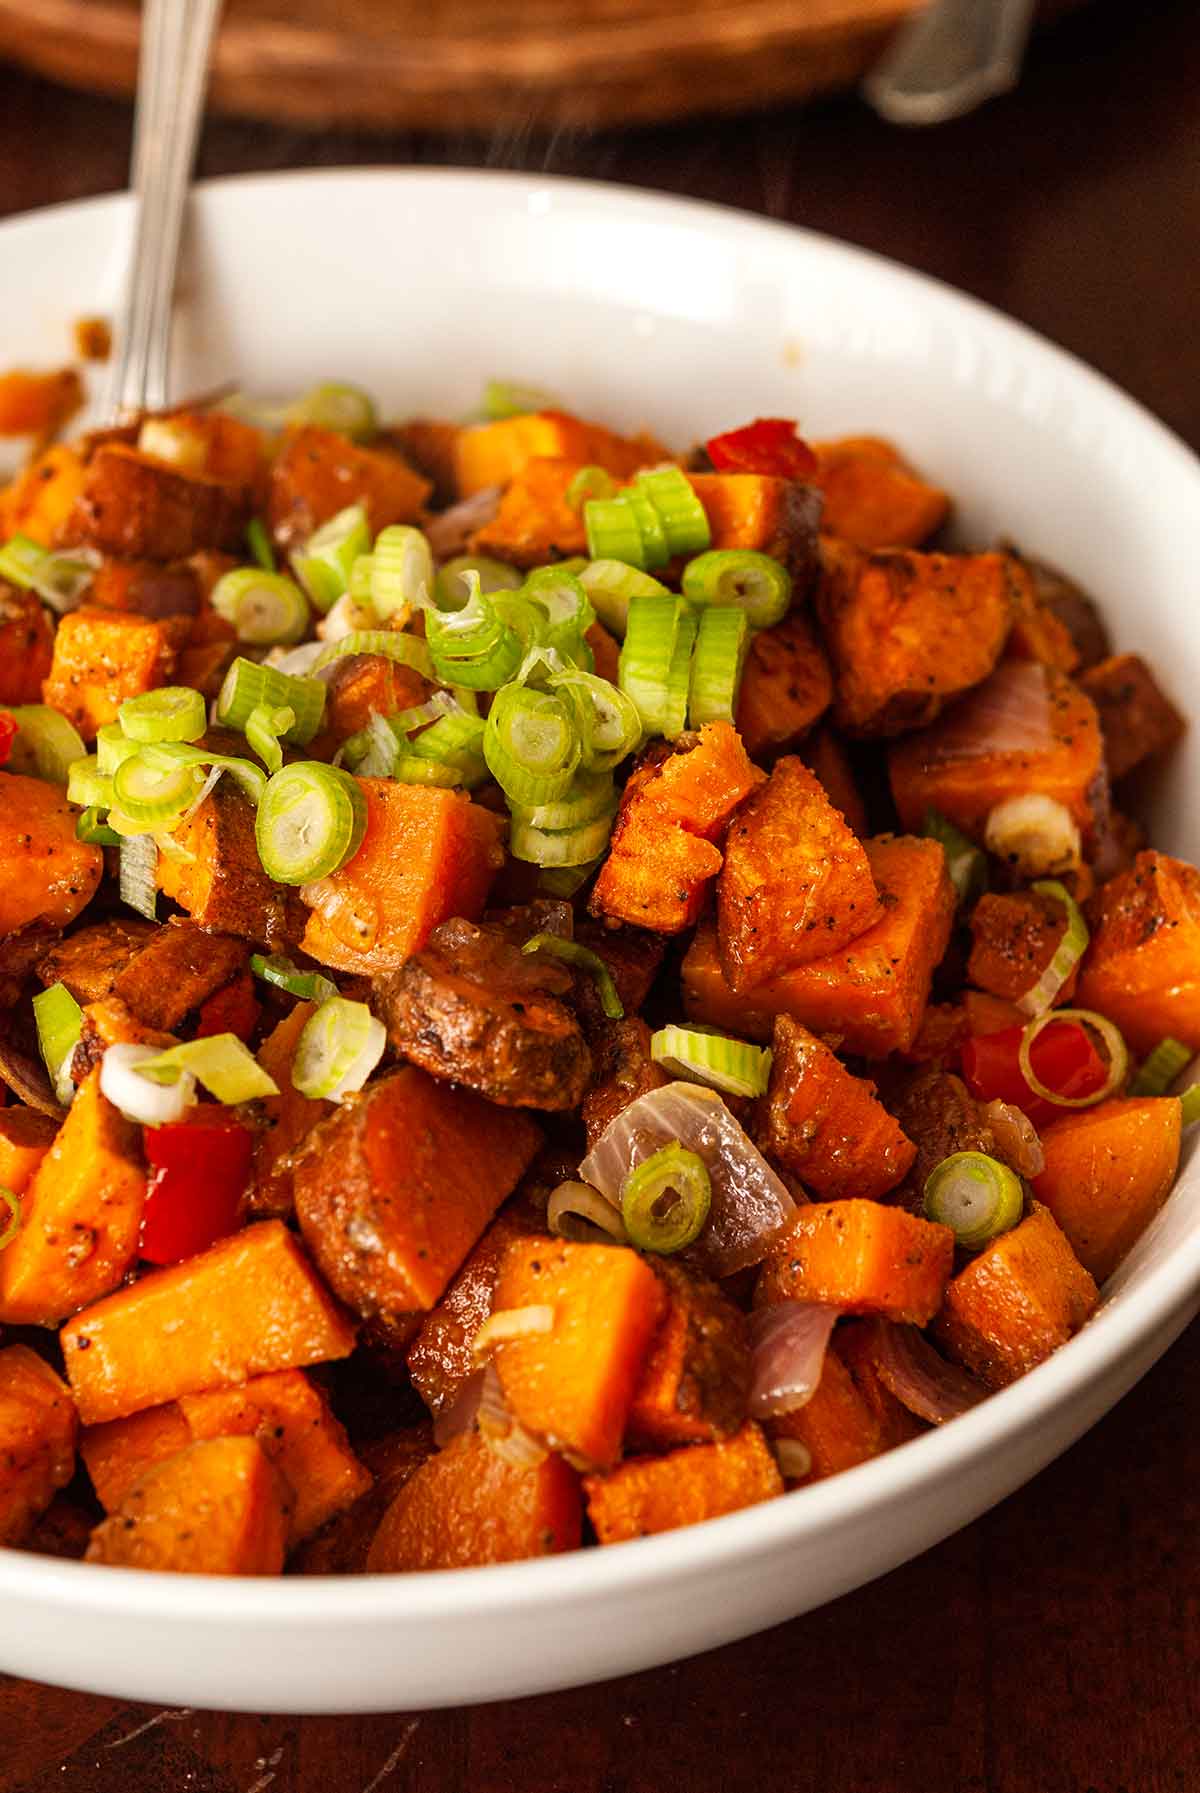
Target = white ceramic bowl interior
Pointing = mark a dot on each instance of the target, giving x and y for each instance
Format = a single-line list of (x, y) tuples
[(686, 318)]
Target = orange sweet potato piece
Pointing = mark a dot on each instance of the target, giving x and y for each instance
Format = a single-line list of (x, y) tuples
[(863, 1257), (786, 685), (1137, 718), (827, 1126), (42, 498), (290, 1117), (107, 1022), (101, 657), (394, 1189), (38, 404), (534, 523), (216, 1508), (223, 886), (1028, 729), (662, 852), (177, 969), (573, 1385), (62, 1530), (796, 884), (79, 1215), (658, 1494), (1142, 966), (292, 1421), (143, 508), (25, 1138), (249, 1304), (873, 498), (118, 1453), (213, 443), (89, 961), (46, 873), (837, 1427), (906, 632), (756, 510), (37, 1439), (1109, 1169), (695, 1379), (319, 472), (343, 1543), (440, 1358), (147, 588), (873, 993), (26, 645), (1037, 632), (493, 454), (362, 683), (466, 1506), (428, 445), (427, 854), (824, 754), (1014, 936), (1017, 1302), (857, 1346)]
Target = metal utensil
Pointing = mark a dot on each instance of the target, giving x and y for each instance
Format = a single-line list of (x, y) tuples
[(172, 77), (949, 59)]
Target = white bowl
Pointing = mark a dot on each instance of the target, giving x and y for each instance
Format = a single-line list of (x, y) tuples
[(688, 319)]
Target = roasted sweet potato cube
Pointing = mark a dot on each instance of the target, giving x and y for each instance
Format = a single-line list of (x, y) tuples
[(343, 1542), (49, 875), (25, 1138), (493, 454), (38, 404), (658, 1494), (786, 686), (1137, 718), (37, 1439), (622, 1070), (223, 885), (101, 657), (1108, 1171), (249, 1304), (906, 632), (147, 588), (216, 1508), (107, 1022), (290, 1118), (118, 1453), (796, 884), (1014, 936), (26, 645), (824, 754), (427, 854), (836, 1426), (135, 505), (42, 498), (319, 472), (466, 1506), (1142, 966), (1017, 1302), (79, 1215), (1037, 633), (873, 498), (825, 1125), (176, 970), (440, 1358), (534, 523), (873, 993), (696, 1376), (430, 446), (1027, 730), (862, 1257), (662, 852), (393, 1190), (213, 443), (778, 517), (63, 1531), (362, 683), (90, 960), (572, 1386)]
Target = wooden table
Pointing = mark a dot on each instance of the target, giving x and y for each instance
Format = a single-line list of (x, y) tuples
[(1053, 1647)]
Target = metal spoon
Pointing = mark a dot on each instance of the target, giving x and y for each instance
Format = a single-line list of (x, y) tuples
[(949, 59), (172, 77)]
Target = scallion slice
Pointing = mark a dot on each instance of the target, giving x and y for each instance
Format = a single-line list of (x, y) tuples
[(371, 753), (324, 564), (577, 1211), (565, 881), (552, 848), (655, 552), (408, 650), (1118, 1056), (590, 482), (977, 1197), (112, 746), (45, 745), (249, 686), (965, 862), (608, 721), (590, 795), (572, 953), (336, 405), (10, 1226), (20, 558), (613, 531), (259, 543), (266, 609), (87, 785), (1158, 1072), (1189, 1104), (531, 745), (59, 1021), (225, 1067), (665, 1201), (309, 822), (659, 634), (674, 714), (264, 729), (1070, 950), (1035, 833), (610, 585), (731, 1066), (339, 1046), (94, 830), (454, 739), (408, 768), (722, 637), (309, 986), (138, 873), (756, 582), (172, 713), (683, 517), (452, 588), (62, 578), (568, 613), (507, 398), (168, 756), (149, 795), (401, 571)]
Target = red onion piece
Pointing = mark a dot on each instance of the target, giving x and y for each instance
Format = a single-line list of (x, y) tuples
[(789, 1340), (459, 1415), (750, 1208), (449, 533), (1016, 1138), (1008, 713), (504, 1435), (27, 1080), (919, 1378)]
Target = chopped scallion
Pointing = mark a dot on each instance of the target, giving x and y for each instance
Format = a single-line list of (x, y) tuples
[(965, 862), (665, 1201), (1158, 1072), (220, 1062), (977, 1197), (572, 953), (731, 1066), (760, 585), (46, 744), (310, 821), (259, 543), (266, 609), (324, 564), (309, 986), (59, 1021), (249, 686), (339, 1046), (171, 713)]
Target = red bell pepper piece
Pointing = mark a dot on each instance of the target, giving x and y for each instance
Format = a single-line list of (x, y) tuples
[(232, 1009), (200, 1168), (768, 445), (1063, 1058), (8, 734)]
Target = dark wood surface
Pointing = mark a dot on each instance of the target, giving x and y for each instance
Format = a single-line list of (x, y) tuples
[(1053, 1647)]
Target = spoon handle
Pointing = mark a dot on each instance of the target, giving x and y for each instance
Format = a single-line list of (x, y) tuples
[(172, 76), (949, 59)]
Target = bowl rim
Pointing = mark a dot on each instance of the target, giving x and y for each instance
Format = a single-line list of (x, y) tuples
[(1134, 1315)]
